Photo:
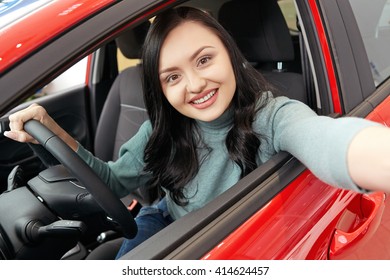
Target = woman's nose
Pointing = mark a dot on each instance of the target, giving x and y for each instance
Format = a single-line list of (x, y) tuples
[(195, 83)]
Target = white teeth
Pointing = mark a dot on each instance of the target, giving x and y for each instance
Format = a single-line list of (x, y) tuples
[(205, 98)]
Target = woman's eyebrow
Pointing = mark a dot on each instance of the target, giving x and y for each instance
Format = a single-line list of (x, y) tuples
[(170, 69), (195, 54)]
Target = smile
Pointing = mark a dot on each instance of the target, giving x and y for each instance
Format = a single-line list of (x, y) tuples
[(204, 98)]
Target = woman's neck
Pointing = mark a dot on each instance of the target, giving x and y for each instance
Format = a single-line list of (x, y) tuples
[(221, 124)]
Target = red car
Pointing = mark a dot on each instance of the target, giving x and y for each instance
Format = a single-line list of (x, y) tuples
[(332, 55)]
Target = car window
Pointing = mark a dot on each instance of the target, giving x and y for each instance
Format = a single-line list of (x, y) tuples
[(373, 19), (70, 79), (73, 77)]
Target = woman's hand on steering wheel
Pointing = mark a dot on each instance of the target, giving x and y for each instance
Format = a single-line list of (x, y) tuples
[(35, 112)]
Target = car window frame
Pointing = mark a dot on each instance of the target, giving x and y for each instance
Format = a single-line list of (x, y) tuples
[(355, 80), (316, 58)]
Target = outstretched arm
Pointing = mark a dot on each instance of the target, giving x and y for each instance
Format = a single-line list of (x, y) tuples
[(346, 152), (39, 113), (369, 159)]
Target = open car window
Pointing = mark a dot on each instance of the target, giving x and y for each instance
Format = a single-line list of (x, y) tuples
[(376, 35)]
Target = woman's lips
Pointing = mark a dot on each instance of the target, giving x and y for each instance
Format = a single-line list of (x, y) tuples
[(205, 100)]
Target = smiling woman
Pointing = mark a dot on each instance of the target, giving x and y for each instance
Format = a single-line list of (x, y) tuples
[(196, 74)]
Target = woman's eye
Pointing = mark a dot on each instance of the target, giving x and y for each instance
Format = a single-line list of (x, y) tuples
[(204, 60), (172, 78)]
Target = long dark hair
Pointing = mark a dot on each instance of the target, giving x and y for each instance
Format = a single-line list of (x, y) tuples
[(171, 153)]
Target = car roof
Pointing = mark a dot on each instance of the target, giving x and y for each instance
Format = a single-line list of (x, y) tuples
[(25, 27)]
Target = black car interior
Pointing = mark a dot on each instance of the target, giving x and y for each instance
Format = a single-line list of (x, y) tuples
[(124, 110)]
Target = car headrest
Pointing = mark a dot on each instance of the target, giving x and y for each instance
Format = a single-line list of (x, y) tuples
[(259, 29), (130, 42)]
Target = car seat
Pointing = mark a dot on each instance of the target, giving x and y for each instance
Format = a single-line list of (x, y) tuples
[(124, 109), (122, 115), (261, 32)]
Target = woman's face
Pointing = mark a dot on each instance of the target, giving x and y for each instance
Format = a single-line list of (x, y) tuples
[(196, 73)]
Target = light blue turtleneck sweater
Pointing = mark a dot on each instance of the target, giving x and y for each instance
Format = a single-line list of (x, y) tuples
[(319, 142)]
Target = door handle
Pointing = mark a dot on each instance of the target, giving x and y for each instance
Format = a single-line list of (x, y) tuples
[(358, 223)]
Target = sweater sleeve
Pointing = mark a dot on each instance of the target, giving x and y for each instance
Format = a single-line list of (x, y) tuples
[(126, 173), (321, 143)]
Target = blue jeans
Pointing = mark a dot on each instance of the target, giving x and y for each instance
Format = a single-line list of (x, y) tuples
[(150, 220)]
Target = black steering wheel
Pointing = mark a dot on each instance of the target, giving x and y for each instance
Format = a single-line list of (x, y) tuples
[(88, 178)]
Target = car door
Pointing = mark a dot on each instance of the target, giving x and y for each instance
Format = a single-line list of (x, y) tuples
[(362, 63)]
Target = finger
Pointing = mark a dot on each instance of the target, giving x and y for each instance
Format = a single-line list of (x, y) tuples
[(20, 136), (16, 125), (34, 111), (18, 119)]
